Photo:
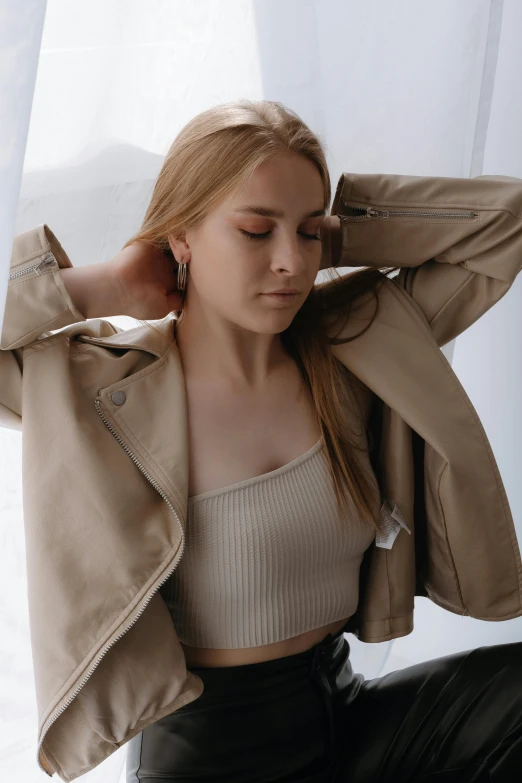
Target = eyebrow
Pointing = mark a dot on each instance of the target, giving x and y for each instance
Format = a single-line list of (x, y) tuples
[(265, 212)]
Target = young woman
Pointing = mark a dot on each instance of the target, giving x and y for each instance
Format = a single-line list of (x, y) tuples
[(255, 443), (287, 536)]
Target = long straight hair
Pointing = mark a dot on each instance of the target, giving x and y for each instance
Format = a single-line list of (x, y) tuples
[(215, 153)]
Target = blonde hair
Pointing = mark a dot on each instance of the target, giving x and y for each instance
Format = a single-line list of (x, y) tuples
[(215, 153)]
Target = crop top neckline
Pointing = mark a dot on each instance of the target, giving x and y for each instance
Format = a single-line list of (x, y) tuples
[(258, 479)]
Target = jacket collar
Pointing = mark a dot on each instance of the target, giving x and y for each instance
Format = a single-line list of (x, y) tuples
[(153, 337)]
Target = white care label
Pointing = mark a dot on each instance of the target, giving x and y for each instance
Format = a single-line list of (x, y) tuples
[(390, 523)]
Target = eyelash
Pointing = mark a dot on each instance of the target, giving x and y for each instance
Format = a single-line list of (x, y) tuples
[(265, 235)]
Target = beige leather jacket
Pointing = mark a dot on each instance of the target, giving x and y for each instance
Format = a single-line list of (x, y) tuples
[(105, 456)]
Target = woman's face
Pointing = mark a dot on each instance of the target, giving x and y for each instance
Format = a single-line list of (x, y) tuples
[(231, 273)]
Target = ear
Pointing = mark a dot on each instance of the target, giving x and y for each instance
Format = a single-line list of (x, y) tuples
[(179, 247)]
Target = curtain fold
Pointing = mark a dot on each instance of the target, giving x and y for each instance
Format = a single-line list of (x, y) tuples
[(20, 38)]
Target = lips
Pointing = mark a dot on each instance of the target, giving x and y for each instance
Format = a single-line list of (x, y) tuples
[(282, 299)]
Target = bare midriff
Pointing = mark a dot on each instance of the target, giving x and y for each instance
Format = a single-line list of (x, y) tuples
[(201, 656)]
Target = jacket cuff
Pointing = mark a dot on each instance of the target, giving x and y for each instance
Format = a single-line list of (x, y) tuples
[(403, 220), (35, 243), (331, 246), (37, 300)]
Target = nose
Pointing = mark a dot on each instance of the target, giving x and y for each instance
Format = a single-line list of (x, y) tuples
[(291, 257)]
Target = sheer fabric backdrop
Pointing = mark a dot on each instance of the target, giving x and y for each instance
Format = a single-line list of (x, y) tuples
[(403, 87)]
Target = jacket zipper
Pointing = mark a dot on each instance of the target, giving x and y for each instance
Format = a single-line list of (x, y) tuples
[(41, 266), (156, 486), (369, 212)]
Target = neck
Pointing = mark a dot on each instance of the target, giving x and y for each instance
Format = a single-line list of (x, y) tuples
[(222, 351)]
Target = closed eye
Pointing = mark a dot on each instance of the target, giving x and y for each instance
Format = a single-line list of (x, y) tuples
[(267, 233)]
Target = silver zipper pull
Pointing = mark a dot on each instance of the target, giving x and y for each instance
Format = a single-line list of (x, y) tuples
[(39, 268), (372, 212), (46, 261), (362, 212)]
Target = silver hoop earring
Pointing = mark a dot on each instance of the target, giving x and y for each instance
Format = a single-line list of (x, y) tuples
[(182, 276)]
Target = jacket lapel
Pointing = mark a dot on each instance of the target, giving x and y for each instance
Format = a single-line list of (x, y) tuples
[(399, 360), (149, 413)]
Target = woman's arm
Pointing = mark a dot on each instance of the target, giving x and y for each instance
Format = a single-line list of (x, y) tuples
[(457, 240), (44, 293)]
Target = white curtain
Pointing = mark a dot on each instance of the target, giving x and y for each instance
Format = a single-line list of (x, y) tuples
[(88, 110)]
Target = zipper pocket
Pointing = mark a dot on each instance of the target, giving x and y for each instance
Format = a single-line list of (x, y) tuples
[(42, 266), (156, 486), (351, 211)]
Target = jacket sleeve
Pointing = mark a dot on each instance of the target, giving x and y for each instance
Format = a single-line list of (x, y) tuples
[(37, 303), (457, 241)]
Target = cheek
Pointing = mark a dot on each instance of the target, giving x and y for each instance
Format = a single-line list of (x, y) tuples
[(227, 265), (223, 275)]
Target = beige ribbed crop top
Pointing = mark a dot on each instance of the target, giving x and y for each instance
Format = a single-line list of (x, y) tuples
[(266, 559)]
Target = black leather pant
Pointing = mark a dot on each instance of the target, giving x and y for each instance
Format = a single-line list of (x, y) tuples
[(307, 718)]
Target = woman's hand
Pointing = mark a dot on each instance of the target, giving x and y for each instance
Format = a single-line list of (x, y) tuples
[(147, 281)]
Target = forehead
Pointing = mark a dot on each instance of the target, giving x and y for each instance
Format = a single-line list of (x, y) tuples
[(281, 187), (260, 211)]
